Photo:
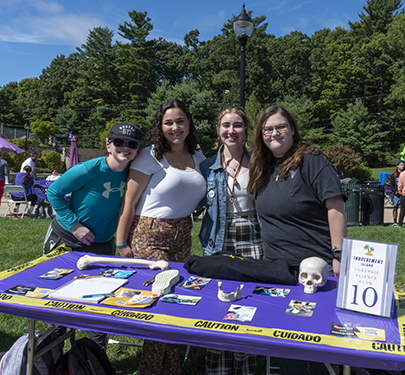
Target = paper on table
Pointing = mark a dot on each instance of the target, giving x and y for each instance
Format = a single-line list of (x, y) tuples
[(74, 290)]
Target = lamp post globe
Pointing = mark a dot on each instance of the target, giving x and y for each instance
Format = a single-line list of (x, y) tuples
[(243, 28)]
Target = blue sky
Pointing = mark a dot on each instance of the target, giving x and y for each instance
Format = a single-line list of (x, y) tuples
[(34, 32)]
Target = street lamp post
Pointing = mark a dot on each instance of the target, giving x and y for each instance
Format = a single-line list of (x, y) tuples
[(243, 27), (27, 129)]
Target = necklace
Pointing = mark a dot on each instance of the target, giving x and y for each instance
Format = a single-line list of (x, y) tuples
[(235, 181)]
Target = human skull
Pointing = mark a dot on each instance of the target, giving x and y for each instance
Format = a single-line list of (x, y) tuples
[(313, 274)]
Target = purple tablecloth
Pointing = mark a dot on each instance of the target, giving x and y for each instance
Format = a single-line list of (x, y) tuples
[(41, 190), (271, 332)]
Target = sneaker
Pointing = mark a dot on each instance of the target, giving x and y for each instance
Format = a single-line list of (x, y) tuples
[(164, 281), (395, 225)]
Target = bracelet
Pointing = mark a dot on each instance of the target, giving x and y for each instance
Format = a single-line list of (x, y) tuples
[(336, 253), (123, 245)]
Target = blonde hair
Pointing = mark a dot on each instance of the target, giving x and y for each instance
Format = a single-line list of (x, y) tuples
[(233, 109)]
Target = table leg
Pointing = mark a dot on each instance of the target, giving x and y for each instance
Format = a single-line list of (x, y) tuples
[(346, 370), (31, 346)]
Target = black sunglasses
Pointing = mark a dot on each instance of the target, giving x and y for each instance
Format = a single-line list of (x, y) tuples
[(118, 142)]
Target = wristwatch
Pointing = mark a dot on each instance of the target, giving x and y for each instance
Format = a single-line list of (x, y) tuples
[(336, 253)]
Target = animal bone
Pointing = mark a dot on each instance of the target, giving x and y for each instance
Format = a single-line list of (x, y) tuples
[(229, 297), (86, 260)]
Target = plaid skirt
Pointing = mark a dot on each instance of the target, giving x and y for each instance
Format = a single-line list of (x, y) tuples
[(161, 239), (242, 236)]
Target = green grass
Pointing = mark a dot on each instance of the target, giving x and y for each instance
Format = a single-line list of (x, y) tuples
[(21, 240), (376, 172)]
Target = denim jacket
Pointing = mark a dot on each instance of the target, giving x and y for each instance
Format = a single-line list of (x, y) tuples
[(213, 226)]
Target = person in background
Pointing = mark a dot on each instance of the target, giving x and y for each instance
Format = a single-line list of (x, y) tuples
[(299, 201), (401, 192), (26, 180), (163, 189), (4, 172), (230, 222), (31, 162), (394, 179), (53, 176), (88, 221)]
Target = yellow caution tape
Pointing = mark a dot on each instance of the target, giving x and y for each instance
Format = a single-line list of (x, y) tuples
[(280, 334)]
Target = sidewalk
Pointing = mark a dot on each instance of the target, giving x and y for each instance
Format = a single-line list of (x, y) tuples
[(387, 212), (3, 209)]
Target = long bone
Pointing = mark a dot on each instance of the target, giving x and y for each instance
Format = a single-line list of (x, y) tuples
[(86, 260)]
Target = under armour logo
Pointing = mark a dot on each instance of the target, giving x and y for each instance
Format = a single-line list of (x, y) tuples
[(108, 189)]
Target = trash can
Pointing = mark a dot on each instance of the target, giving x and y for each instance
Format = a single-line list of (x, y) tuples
[(352, 205), (372, 204)]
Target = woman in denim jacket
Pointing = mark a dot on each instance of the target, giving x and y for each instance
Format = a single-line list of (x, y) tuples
[(230, 222)]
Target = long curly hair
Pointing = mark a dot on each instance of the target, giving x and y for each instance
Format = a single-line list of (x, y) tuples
[(155, 134), (232, 109), (26, 179), (262, 157)]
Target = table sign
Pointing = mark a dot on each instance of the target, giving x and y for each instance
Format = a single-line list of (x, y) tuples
[(366, 278)]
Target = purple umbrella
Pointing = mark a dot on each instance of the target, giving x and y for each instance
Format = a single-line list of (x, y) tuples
[(7, 146), (74, 153)]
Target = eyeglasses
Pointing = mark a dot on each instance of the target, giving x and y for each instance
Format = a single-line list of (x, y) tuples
[(282, 128), (118, 142)]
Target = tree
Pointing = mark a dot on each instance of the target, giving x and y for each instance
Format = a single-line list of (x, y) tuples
[(356, 129), (253, 110), (8, 115), (43, 130), (136, 73), (369, 31), (336, 75), (55, 82)]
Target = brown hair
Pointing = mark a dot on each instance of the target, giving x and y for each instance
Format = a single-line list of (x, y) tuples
[(262, 157), (27, 169), (232, 109)]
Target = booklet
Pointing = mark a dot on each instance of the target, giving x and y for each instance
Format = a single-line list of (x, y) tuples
[(55, 274), (273, 292), (240, 313), (195, 282), (301, 308), (119, 274), (39, 293), (180, 299), (88, 290), (131, 298), (21, 289), (362, 333)]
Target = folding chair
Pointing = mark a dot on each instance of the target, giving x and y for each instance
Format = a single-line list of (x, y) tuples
[(8, 190)]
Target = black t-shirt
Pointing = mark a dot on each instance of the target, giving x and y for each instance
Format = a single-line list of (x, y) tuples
[(293, 215)]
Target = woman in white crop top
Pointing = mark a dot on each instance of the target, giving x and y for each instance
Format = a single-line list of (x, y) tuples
[(163, 189), (230, 222)]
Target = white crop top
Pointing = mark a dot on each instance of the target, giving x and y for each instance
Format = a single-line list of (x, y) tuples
[(171, 193), (242, 200)]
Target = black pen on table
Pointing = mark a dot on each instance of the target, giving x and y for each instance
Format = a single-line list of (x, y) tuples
[(150, 281)]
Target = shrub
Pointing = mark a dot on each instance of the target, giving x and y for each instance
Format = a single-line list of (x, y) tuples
[(51, 159), (347, 162)]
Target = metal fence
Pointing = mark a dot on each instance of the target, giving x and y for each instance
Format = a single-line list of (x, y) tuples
[(12, 132)]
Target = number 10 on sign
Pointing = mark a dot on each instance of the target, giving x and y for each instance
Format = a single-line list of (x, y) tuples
[(367, 277)]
